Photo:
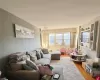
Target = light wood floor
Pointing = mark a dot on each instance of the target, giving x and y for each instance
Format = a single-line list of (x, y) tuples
[(83, 72)]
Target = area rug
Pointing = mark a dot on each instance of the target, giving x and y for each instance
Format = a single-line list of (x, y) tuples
[(70, 71)]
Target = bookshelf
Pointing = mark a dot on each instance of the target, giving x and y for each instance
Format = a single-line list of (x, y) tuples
[(85, 36), (93, 35), (88, 36)]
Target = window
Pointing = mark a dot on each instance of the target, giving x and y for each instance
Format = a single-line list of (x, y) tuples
[(60, 39), (51, 39), (67, 38), (86, 37)]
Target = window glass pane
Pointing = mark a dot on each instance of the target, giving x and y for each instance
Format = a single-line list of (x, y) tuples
[(67, 41), (59, 36), (67, 35), (85, 36), (51, 39), (59, 41)]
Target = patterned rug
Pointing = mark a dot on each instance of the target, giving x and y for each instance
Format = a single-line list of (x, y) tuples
[(69, 69)]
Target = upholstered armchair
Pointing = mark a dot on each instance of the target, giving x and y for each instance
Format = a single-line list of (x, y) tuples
[(63, 51)]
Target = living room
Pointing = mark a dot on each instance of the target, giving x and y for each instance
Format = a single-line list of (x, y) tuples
[(60, 36)]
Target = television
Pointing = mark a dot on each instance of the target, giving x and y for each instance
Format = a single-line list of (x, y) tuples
[(85, 37)]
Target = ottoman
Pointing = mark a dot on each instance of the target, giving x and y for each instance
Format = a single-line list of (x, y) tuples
[(55, 55)]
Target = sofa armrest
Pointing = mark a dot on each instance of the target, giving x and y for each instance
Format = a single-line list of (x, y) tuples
[(24, 75)]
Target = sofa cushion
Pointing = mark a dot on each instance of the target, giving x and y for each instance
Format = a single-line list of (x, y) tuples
[(45, 51), (32, 55), (43, 61), (17, 66), (18, 56), (26, 67), (32, 64), (48, 56)]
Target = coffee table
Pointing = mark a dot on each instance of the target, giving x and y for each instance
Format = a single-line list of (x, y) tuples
[(78, 58), (58, 70)]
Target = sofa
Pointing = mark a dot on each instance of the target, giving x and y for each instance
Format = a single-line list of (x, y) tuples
[(16, 61), (15, 69)]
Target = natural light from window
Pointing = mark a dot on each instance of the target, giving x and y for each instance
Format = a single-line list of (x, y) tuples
[(60, 39), (51, 39), (67, 38)]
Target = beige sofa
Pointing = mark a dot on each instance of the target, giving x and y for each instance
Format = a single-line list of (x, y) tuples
[(15, 69), (45, 60)]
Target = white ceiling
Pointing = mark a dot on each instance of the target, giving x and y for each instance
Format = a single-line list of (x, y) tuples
[(53, 13)]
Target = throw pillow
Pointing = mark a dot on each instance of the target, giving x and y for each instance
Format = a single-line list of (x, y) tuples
[(45, 51), (26, 67), (21, 62), (41, 53), (32, 64), (17, 66), (18, 56), (38, 55), (32, 55), (33, 58)]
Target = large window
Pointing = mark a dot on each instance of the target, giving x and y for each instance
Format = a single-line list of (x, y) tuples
[(59, 39), (67, 38), (51, 39)]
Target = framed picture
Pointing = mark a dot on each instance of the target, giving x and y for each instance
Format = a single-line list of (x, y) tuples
[(22, 32)]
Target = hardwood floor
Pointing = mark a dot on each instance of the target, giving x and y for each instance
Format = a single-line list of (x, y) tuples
[(83, 72)]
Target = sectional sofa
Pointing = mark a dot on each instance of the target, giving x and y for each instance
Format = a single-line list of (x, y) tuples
[(15, 70)]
